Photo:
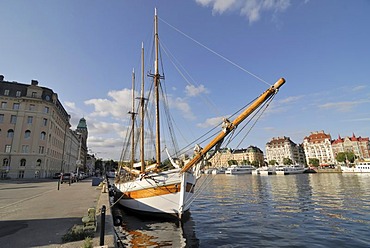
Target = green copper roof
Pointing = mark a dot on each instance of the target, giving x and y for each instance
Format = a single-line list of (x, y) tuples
[(82, 123)]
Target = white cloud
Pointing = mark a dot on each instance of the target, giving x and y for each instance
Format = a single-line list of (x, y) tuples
[(252, 9), (291, 99), (117, 107), (182, 105), (211, 122), (359, 88), (192, 91), (342, 106)]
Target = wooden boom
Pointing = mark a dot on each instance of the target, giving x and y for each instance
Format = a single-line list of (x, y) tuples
[(232, 125)]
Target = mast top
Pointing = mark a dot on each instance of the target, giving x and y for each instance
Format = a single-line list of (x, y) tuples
[(155, 11)]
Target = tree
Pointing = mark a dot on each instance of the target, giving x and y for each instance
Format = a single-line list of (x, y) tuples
[(232, 162), (246, 161), (344, 156), (287, 161), (255, 163), (273, 162), (314, 162)]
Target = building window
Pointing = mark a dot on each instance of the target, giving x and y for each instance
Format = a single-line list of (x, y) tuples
[(8, 148), (38, 162), (16, 106), (32, 107), (46, 110), (27, 134), (45, 122), (1, 118), (13, 119), (29, 119), (10, 133), (3, 105), (5, 162), (43, 136), (22, 162), (21, 174), (6, 92), (25, 149), (34, 94), (18, 93), (41, 150)]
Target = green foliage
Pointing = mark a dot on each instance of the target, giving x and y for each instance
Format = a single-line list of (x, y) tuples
[(273, 162), (255, 163), (246, 161), (77, 233), (232, 162), (314, 162), (88, 243), (344, 156), (287, 161)]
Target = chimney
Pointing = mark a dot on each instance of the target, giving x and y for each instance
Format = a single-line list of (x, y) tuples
[(34, 82), (1, 78)]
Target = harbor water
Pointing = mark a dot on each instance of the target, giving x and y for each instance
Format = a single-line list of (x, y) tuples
[(304, 210)]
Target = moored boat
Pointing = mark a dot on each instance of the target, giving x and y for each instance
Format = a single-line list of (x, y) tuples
[(219, 170), (290, 169), (239, 169), (157, 191), (360, 167)]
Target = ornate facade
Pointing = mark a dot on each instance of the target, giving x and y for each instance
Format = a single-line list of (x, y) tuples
[(283, 147), (252, 154), (318, 145), (35, 135), (358, 145)]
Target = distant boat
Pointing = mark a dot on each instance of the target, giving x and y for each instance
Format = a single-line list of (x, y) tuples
[(158, 190), (265, 170), (239, 169), (220, 170), (290, 169), (360, 167)]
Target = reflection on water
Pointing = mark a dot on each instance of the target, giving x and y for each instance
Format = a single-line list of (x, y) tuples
[(306, 210), (140, 232)]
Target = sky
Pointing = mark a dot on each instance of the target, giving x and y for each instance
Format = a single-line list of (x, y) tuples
[(232, 50)]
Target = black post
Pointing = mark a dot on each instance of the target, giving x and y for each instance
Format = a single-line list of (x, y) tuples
[(102, 229)]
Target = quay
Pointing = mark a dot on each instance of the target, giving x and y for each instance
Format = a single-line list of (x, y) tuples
[(34, 213)]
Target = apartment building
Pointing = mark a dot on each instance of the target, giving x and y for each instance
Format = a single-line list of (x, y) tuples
[(241, 156), (358, 145), (35, 135), (279, 148), (318, 145)]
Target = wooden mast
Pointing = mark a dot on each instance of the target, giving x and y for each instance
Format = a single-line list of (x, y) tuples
[(156, 88), (230, 126), (142, 102), (132, 112)]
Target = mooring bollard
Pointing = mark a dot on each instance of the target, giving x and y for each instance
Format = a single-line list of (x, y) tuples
[(102, 229)]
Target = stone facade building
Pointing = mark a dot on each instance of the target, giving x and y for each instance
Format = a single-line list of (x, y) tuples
[(35, 135), (252, 154), (358, 145), (283, 147), (318, 145)]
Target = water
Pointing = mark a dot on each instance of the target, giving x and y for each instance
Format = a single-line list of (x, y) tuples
[(305, 210)]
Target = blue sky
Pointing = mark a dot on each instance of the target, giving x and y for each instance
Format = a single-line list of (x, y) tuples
[(86, 50)]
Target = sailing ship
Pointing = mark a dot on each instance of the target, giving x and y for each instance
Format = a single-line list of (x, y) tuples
[(170, 192)]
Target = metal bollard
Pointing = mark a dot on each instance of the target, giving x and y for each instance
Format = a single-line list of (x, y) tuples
[(102, 229)]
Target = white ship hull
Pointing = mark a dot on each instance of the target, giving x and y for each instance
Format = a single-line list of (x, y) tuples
[(163, 193), (362, 167)]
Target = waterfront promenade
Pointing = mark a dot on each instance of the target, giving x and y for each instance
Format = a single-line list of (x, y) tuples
[(34, 213)]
